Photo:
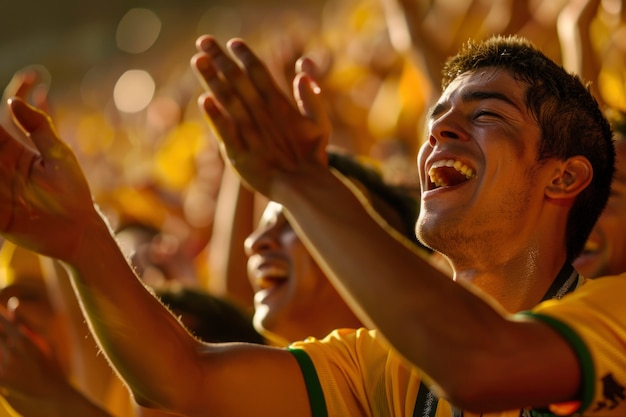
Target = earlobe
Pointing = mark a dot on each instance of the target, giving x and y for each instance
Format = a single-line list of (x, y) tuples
[(571, 179)]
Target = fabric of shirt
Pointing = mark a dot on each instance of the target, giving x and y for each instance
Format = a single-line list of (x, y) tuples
[(356, 373), (592, 319)]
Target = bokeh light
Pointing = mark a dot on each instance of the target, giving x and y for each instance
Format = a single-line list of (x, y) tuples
[(133, 91), (138, 30)]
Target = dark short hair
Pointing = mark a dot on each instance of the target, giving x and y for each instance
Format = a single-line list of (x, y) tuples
[(568, 115), (208, 317)]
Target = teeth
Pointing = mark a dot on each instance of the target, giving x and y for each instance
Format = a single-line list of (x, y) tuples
[(591, 246), (459, 166)]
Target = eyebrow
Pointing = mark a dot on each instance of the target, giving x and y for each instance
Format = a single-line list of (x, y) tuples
[(469, 96)]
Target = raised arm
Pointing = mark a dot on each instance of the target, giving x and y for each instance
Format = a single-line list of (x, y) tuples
[(46, 206), (277, 147), (235, 216), (574, 33)]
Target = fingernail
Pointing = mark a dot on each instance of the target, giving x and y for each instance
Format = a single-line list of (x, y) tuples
[(236, 45), (202, 62), (205, 43)]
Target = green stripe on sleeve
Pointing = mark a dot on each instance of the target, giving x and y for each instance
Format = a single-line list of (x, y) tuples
[(313, 387), (580, 348)]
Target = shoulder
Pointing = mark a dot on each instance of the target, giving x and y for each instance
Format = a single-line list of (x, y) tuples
[(344, 342), (356, 369), (593, 321)]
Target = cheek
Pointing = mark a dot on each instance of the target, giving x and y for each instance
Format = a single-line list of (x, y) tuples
[(306, 274), (250, 272), (424, 152), (614, 214)]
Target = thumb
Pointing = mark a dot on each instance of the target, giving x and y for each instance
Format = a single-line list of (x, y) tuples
[(310, 103), (36, 124)]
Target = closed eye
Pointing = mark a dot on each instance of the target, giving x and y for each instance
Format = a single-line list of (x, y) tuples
[(485, 113)]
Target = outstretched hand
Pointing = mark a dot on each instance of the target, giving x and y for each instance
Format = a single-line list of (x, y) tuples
[(265, 135), (31, 85), (45, 201)]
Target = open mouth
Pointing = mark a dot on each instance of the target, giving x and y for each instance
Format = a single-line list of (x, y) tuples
[(269, 281), (449, 172), (268, 275), (591, 247)]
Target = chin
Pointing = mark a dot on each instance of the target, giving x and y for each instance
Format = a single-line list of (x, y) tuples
[(588, 265)]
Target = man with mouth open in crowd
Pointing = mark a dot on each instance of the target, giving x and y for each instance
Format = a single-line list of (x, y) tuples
[(605, 250), (528, 163), (293, 298)]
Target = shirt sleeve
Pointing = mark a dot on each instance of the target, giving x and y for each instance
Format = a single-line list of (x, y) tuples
[(358, 374), (593, 321)]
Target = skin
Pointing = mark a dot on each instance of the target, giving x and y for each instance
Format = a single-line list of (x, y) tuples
[(487, 227), (34, 346), (606, 246), (293, 298), (278, 149), (304, 188)]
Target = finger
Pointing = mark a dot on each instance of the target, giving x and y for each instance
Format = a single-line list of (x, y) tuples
[(238, 98), (38, 126), (220, 70), (40, 98), (307, 94), (229, 116), (12, 150), (20, 83), (308, 66), (259, 75), (202, 41), (28, 81), (218, 61), (220, 89), (311, 105), (283, 115), (222, 126)]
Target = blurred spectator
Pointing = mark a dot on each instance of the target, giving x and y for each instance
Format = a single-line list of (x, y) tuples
[(605, 250), (209, 318)]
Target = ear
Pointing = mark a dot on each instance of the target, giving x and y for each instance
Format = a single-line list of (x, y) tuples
[(572, 176)]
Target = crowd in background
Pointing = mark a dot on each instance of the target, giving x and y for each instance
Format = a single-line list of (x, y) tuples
[(151, 160), (377, 61)]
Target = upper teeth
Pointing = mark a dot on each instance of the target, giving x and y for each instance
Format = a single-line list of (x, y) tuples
[(591, 246), (451, 163)]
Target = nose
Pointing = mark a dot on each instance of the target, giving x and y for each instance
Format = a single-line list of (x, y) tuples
[(446, 126), (261, 240)]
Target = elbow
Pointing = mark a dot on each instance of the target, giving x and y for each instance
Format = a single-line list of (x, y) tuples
[(472, 387), (144, 402), (467, 397)]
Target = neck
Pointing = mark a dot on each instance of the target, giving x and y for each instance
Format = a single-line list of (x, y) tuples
[(517, 284)]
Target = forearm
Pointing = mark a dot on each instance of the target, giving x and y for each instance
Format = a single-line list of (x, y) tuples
[(349, 240), (130, 324), (62, 400), (234, 218), (443, 327)]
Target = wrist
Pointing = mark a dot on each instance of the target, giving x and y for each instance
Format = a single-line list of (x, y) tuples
[(94, 239)]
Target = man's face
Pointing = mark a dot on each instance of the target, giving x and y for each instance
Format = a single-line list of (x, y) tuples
[(289, 286), (482, 185), (605, 251)]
